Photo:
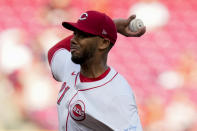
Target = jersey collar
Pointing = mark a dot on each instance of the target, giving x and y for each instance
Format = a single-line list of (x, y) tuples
[(85, 79), (83, 86)]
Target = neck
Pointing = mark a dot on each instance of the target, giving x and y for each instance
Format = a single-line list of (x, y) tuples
[(93, 67)]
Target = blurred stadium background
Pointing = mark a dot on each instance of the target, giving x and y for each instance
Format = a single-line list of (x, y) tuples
[(161, 66)]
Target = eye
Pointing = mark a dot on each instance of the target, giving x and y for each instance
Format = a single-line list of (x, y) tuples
[(74, 33), (81, 34), (86, 35)]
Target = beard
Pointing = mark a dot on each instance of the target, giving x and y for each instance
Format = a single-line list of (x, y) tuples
[(78, 59), (84, 56)]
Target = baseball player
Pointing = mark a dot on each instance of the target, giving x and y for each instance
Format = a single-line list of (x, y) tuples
[(93, 96)]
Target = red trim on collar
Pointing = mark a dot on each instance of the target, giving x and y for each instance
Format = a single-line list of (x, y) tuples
[(86, 79), (99, 85)]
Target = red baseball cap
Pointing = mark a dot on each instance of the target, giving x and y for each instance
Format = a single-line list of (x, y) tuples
[(95, 23)]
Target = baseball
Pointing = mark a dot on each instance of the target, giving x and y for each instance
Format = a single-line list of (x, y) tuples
[(135, 25)]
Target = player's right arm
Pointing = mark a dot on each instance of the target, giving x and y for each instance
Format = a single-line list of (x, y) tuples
[(63, 44), (59, 58)]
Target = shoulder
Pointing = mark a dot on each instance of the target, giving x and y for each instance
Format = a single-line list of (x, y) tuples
[(120, 85), (122, 80), (119, 78), (122, 91)]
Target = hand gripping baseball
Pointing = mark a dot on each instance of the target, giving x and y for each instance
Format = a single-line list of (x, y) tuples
[(122, 26)]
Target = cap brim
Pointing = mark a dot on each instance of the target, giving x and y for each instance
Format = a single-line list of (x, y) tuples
[(73, 26), (70, 26)]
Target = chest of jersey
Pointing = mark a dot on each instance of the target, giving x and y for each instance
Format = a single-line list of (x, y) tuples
[(106, 104), (82, 109)]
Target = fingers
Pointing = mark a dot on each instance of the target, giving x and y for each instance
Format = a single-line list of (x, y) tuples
[(131, 18), (139, 33)]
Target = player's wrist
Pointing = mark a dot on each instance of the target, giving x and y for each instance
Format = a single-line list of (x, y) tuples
[(117, 24)]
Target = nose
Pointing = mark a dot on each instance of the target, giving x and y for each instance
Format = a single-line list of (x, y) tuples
[(73, 40)]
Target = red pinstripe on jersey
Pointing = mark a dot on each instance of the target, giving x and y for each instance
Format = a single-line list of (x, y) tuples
[(68, 111), (85, 79), (99, 85)]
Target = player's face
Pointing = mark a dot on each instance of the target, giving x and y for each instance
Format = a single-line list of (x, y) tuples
[(83, 47)]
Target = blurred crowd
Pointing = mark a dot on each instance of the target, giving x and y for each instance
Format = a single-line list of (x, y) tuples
[(161, 66)]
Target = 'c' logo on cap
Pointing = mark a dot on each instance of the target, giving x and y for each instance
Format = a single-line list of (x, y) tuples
[(83, 16)]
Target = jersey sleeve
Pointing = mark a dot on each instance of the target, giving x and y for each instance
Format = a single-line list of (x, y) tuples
[(126, 116), (59, 58), (63, 44)]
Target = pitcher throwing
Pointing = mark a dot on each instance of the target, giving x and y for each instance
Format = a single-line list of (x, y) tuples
[(93, 96)]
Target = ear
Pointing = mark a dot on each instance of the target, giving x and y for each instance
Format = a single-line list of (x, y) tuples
[(104, 43)]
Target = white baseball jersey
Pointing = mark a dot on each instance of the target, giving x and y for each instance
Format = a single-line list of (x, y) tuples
[(104, 104)]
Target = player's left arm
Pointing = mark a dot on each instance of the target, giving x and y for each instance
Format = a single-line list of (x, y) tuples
[(122, 26)]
